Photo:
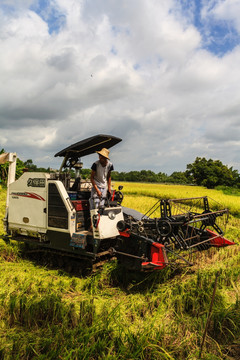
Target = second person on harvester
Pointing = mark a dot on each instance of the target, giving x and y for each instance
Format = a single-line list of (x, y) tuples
[(100, 179)]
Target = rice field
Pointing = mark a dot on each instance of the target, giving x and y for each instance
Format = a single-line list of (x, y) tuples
[(142, 197), (114, 314), (161, 191)]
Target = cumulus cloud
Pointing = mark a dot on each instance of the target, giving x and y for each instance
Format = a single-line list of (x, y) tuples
[(142, 71), (226, 10)]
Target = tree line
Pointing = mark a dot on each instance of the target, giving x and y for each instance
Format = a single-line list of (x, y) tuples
[(208, 173)]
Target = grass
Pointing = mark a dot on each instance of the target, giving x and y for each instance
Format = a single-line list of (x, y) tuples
[(115, 314)]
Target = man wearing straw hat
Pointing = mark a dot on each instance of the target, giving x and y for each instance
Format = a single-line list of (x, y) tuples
[(100, 179)]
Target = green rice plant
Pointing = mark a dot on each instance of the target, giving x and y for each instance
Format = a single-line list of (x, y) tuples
[(226, 323), (193, 297), (87, 312), (9, 251), (228, 190), (35, 311)]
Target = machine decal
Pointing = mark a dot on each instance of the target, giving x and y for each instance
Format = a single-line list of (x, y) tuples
[(36, 182), (28, 195), (78, 240)]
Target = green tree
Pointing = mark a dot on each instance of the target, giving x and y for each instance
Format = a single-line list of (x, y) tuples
[(162, 177), (30, 166), (178, 177), (85, 173), (19, 168), (211, 173), (147, 176), (4, 169)]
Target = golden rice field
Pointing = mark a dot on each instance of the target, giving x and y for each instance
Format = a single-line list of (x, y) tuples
[(142, 196), (161, 191)]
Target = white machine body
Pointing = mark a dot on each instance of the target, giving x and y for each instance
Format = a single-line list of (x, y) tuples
[(29, 203), (105, 224), (38, 204)]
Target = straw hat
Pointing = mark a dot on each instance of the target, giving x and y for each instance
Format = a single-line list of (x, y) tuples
[(104, 152)]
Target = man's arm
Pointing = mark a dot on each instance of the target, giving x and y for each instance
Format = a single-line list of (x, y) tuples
[(109, 182), (93, 173)]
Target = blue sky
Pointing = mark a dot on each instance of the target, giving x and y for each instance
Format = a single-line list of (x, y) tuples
[(164, 76), (218, 35), (50, 13)]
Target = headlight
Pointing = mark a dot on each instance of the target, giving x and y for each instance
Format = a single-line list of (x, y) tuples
[(111, 215)]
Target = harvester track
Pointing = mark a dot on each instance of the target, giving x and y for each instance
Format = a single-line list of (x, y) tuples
[(71, 263)]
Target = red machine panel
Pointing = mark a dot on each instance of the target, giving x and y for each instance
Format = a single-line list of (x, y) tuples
[(80, 204)]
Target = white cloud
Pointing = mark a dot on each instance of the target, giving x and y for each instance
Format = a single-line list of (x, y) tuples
[(225, 10), (136, 71)]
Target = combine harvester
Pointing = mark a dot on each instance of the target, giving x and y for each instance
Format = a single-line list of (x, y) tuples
[(51, 213)]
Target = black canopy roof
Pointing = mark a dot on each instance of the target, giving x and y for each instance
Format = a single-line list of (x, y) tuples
[(89, 145)]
